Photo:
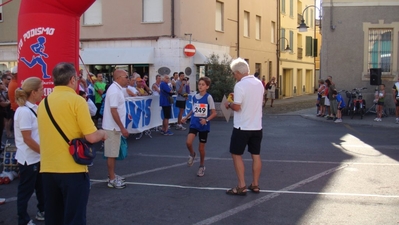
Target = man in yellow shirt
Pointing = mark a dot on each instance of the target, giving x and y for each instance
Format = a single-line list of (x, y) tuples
[(66, 184)]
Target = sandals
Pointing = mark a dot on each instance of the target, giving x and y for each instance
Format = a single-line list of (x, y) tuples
[(254, 188), (237, 191)]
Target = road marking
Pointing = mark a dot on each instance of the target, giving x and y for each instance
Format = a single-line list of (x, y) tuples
[(266, 191), (268, 197), (277, 161)]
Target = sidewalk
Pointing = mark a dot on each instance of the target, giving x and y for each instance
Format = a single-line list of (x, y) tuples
[(305, 106)]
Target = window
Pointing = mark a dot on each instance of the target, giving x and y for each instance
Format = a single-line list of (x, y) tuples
[(283, 6), (152, 11), (291, 8), (219, 16), (291, 40), (258, 27), (258, 68), (273, 28), (309, 44), (93, 15), (380, 49), (282, 39), (246, 24), (311, 18)]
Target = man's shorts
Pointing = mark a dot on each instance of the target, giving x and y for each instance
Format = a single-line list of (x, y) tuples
[(241, 138), (180, 104), (167, 112), (112, 143), (271, 94), (203, 135)]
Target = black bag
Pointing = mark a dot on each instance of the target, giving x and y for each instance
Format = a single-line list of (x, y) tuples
[(81, 150)]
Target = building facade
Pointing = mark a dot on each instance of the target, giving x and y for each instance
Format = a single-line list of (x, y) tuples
[(149, 36), (297, 66), (360, 35)]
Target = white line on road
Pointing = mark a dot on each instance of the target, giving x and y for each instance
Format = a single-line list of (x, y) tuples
[(263, 199)]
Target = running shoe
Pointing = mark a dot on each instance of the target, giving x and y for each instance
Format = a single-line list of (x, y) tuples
[(40, 216), (201, 171), (118, 184), (168, 133), (190, 161)]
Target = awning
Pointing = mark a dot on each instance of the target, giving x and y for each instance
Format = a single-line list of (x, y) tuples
[(201, 55), (102, 56)]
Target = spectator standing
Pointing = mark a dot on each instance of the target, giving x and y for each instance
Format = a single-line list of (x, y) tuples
[(140, 87), (380, 103), (99, 87), (175, 78), (333, 101), (130, 90), (321, 94), (247, 131), (395, 95), (28, 149), (327, 99), (340, 106), (114, 124), (204, 111), (155, 87), (66, 183), (271, 90), (181, 99), (165, 93), (4, 107), (12, 86)]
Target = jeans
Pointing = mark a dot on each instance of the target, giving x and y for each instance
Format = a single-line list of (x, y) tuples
[(66, 197), (30, 180)]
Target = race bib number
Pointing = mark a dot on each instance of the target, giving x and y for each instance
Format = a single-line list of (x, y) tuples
[(200, 110)]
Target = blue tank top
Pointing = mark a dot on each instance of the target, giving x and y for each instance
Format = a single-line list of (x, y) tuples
[(200, 110)]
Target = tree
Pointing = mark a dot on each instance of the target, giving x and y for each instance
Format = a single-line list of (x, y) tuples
[(222, 80)]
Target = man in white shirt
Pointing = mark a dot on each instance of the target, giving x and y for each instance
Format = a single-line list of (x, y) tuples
[(247, 131), (114, 125)]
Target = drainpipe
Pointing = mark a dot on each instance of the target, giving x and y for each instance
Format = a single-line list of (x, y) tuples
[(238, 28), (173, 18), (278, 47)]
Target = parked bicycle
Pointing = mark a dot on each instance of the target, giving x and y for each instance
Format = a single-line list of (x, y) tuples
[(356, 103)]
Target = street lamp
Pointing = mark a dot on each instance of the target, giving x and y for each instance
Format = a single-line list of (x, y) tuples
[(287, 49), (302, 26)]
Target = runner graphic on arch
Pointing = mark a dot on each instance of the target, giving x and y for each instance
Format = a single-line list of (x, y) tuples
[(38, 50)]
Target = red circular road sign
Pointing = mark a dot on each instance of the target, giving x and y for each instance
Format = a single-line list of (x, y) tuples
[(189, 50)]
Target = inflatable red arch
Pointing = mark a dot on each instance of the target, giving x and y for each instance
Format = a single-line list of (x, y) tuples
[(48, 33)]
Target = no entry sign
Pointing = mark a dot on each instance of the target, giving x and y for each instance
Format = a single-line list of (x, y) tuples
[(189, 50)]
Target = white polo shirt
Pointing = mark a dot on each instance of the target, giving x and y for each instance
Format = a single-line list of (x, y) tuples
[(114, 99), (248, 93), (25, 120)]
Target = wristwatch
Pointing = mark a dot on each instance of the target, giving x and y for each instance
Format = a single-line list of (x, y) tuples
[(207, 120)]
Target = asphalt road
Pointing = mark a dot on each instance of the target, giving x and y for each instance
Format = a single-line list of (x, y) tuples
[(313, 173)]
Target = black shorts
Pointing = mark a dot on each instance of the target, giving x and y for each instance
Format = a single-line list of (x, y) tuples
[(180, 104), (241, 138), (380, 103), (9, 113), (167, 112), (397, 103), (203, 135)]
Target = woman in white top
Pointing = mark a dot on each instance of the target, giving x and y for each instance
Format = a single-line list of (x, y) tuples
[(28, 150), (156, 86)]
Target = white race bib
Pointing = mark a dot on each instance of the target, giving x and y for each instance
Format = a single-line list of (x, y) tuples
[(200, 110)]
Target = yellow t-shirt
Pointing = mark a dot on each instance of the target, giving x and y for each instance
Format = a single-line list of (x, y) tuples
[(71, 113)]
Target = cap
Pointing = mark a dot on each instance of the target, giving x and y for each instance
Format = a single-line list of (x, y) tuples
[(139, 79), (14, 70)]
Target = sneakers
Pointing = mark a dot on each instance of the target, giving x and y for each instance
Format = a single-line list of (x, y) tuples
[(378, 119), (118, 184), (190, 161), (40, 216), (375, 119), (338, 121), (201, 171), (118, 178), (397, 120), (31, 223), (180, 127), (168, 133)]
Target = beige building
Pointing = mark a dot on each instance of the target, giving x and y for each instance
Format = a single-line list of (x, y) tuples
[(149, 36), (297, 67)]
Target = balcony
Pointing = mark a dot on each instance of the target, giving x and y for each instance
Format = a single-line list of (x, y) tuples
[(299, 18)]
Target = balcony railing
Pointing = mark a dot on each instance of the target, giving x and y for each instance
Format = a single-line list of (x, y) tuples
[(299, 18)]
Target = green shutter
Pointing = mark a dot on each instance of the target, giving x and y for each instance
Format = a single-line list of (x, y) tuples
[(315, 48), (309, 44), (282, 39), (283, 6)]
